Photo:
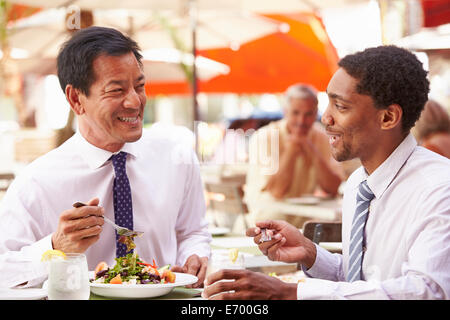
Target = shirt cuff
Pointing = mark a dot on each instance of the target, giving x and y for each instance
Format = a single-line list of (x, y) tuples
[(24, 269), (317, 285), (316, 289), (326, 266)]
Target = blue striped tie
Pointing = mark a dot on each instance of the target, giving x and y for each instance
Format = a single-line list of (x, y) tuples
[(363, 198), (123, 208)]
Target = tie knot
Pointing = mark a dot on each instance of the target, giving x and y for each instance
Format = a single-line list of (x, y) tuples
[(365, 193), (119, 160)]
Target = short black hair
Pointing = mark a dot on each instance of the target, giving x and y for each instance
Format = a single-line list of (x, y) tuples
[(76, 56), (390, 75)]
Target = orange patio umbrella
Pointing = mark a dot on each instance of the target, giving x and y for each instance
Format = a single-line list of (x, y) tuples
[(300, 52), (18, 11)]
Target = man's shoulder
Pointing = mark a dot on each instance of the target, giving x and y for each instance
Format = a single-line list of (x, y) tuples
[(51, 159), (48, 166), (433, 168)]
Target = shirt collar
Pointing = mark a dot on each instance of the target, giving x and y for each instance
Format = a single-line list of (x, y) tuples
[(96, 157), (382, 177)]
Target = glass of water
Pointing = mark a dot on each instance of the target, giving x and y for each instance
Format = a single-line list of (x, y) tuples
[(223, 259), (68, 279)]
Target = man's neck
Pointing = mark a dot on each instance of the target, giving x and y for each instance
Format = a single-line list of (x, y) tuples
[(384, 149), (91, 138)]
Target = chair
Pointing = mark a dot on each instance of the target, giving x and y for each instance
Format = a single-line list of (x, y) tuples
[(5, 180), (228, 198), (323, 231)]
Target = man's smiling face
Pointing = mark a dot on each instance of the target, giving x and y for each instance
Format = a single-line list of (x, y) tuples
[(113, 111), (351, 119)]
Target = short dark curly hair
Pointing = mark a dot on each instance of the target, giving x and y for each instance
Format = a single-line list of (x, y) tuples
[(390, 75), (74, 62)]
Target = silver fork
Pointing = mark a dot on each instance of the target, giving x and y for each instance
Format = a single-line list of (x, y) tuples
[(120, 230)]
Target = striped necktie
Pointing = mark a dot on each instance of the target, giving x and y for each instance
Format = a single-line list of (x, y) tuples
[(123, 208), (363, 198)]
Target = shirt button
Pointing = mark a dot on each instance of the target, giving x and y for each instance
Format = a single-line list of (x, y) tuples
[(364, 248)]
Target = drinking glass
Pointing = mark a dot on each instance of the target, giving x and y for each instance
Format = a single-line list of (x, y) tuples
[(220, 259), (68, 279)]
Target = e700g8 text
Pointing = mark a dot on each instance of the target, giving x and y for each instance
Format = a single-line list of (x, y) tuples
[(246, 309)]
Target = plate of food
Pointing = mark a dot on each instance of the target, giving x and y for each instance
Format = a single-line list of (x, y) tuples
[(305, 200), (133, 278)]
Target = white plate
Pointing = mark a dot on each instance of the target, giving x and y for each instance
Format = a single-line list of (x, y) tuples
[(304, 200), (23, 294), (133, 291), (218, 231)]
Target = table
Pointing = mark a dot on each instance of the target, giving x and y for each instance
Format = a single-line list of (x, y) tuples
[(326, 209), (254, 260), (179, 293)]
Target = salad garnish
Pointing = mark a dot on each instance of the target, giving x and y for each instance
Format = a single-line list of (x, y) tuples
[(130, 269), (128, 241)]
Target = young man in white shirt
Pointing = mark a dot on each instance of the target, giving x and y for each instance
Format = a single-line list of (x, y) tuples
[(403, 246), (100, 71)]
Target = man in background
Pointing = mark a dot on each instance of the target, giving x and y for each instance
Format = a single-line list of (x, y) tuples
[(290, 158)]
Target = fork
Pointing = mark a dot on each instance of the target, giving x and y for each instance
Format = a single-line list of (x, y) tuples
[(122, 231)]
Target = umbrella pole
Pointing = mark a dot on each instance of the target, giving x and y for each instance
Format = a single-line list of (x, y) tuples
[(193, 16)]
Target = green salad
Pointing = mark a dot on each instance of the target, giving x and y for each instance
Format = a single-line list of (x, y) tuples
[(130, 269)]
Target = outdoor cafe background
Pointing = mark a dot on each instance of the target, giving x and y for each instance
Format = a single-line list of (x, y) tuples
[(247, 53)]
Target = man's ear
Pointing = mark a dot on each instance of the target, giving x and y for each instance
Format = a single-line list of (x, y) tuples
[(391, 117), (74, 97)]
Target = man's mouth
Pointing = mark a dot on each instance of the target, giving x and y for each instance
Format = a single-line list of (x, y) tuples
[(131, 120), (334, 137)]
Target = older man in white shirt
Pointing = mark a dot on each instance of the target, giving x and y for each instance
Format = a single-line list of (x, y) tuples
[(396, 208), (101, 74)]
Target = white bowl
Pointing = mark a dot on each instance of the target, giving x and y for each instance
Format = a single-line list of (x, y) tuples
[(150, 290)]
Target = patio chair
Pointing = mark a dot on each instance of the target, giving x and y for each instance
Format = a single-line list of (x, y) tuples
[(323, 231), (228, 198), (5, 180)]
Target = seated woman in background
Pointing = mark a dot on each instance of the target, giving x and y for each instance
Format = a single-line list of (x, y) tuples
[(432, 130)]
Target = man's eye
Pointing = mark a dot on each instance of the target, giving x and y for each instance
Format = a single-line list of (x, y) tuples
[(115, 90), (340, 107)]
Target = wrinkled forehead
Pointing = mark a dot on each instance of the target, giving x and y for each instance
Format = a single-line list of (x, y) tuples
[(107, 68)]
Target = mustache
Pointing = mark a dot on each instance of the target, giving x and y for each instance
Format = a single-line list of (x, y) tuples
[(329, 129)]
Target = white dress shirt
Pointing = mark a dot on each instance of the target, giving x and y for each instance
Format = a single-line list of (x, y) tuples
[(407, 253), (167, 195)]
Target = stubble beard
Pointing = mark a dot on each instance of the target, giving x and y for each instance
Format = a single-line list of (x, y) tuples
[(344, 155)]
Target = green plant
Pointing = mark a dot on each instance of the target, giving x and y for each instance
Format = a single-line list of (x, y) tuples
[(4, 8), (179, 45)]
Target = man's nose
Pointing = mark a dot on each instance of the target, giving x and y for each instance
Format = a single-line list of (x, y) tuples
[(327, 119), (301, 119), (132, 100)]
